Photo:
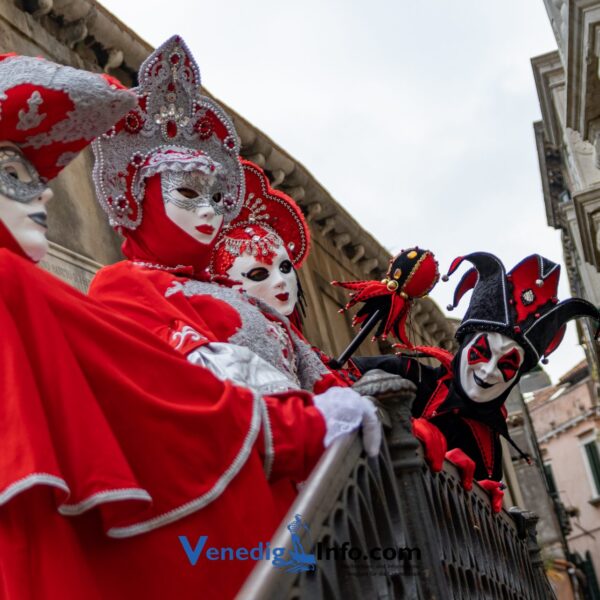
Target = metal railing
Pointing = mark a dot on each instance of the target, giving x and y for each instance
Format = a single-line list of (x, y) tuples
[(414, 534)]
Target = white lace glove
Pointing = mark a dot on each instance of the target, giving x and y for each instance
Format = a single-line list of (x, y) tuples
[(344, 410)]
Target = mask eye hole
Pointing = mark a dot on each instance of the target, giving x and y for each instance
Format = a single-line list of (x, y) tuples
[(257, 274), (286, 266), (187, 192), (217, 197), (16, 172), (479, 350), (11, 171), (509, 364)]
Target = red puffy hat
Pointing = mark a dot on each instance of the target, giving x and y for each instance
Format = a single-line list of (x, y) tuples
[(267, 219), (52, 111)]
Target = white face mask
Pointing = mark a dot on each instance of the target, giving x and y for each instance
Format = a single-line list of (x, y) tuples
[(192, 204), (274, 284), (489, 365), (24, 214)]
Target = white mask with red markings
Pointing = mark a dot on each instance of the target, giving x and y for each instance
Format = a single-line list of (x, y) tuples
[(489, 365)]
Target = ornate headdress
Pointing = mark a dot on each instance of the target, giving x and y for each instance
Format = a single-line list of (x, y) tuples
[(521, 304), (268, 219), (52, 111), (173, 128)]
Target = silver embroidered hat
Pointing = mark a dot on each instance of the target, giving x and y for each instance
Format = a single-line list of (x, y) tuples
[(173, 128), (52, 111)]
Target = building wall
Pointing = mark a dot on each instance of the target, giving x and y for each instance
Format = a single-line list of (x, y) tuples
[(568, 144), (530, 479), (566, 419), (83, 34)]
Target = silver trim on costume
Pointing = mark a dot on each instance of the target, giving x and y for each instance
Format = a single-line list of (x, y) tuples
[(14, 489), (241, 366), (30, 481), (94, 500), (175, 114), (13, 187), (206, 498), (268, 434), (96, 103)]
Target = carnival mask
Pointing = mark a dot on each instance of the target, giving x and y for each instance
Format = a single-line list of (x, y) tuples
[(489, 365), (23, 199), (194, 203), (276, 283)]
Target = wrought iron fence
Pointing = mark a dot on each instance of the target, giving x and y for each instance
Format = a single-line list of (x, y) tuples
[(390, 528)]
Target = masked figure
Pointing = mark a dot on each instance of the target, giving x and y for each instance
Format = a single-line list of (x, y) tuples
[(48, 113), (169, 176), (113, 443), (265, 245), (513, 321), (260, 252)]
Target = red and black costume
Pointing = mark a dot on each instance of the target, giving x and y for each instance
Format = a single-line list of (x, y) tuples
[(521, 305), (473, 428)]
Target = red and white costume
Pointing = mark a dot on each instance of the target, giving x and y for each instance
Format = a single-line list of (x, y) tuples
[(165, 285), (114, 444), (270, 220)]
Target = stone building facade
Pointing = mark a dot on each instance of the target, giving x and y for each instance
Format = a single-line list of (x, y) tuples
[(566, 418), (568, 146), (83, 34)]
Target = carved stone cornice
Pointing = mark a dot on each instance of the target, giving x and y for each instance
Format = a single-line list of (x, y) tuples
[(587, 207), (558, 11), (549, 74), (583, 50), (553, 185)]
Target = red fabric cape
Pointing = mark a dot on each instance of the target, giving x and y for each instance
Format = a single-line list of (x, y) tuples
[(97, 412), (102, 418)]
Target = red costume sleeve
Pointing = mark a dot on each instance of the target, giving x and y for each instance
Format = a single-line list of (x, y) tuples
[(298, 430), (139, 294)]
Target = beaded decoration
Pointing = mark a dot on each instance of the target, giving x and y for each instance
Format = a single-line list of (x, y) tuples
[(171, 113)]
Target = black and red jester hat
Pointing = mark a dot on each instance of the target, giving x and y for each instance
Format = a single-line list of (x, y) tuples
[(521, 304)]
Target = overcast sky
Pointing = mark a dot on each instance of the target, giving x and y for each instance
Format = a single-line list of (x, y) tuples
[(416, 115)]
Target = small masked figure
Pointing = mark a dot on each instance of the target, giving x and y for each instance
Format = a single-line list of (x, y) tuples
[(260, 252), (265, 245)]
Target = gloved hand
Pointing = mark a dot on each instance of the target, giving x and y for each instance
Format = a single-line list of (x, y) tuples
[(494, 490), (434, 443), (465, 466), (344, 410)]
